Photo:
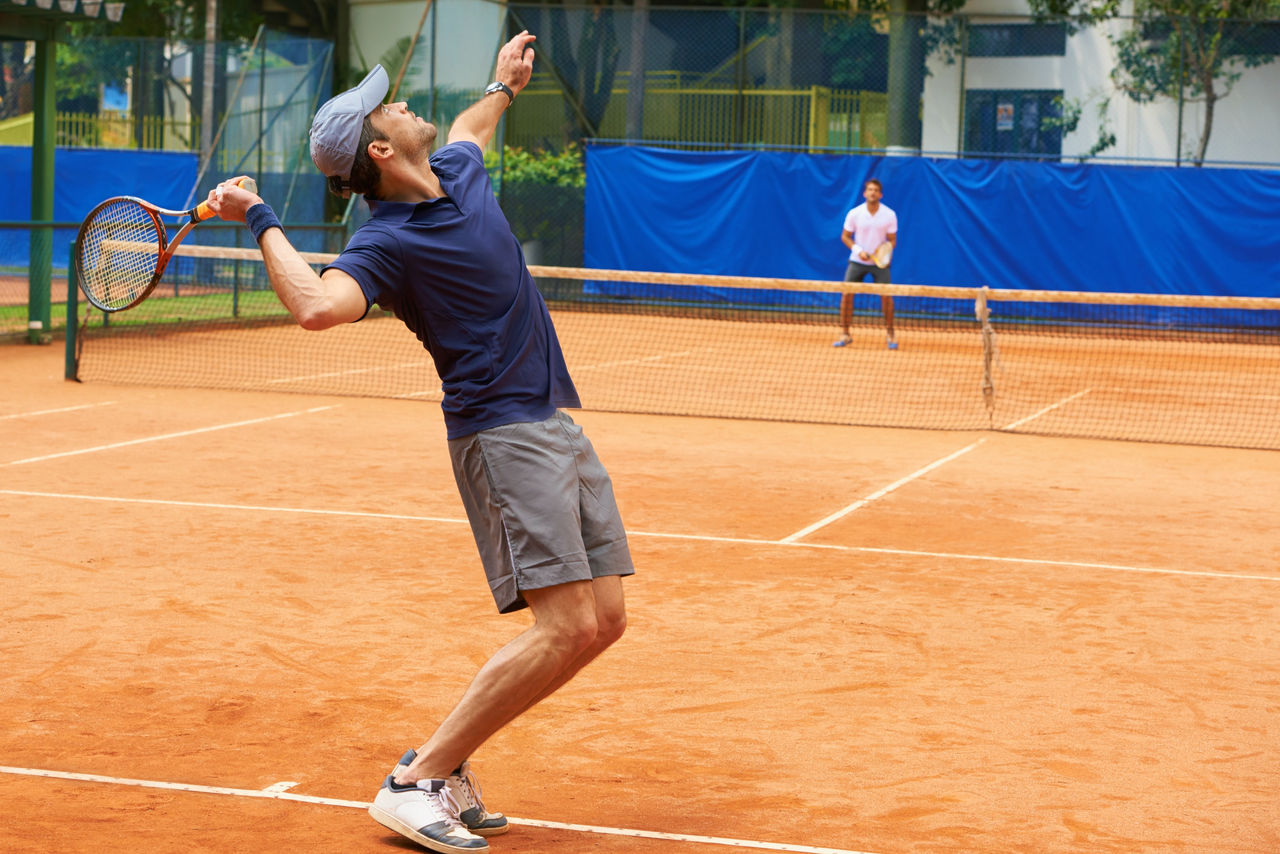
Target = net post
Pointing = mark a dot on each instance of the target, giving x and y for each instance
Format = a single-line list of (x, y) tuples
[(71, 367), (983, 312)]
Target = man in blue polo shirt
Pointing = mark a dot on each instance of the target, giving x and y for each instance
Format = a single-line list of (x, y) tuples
[(438, 252)]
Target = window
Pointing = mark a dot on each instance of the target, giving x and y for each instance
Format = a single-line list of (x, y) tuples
[(1235, 38), (1012, 121), (1017, 39)]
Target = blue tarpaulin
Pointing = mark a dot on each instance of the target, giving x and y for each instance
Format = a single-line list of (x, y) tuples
[(1000, 223), (82, 178)]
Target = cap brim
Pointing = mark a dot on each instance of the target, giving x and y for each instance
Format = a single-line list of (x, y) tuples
[(372, 90)]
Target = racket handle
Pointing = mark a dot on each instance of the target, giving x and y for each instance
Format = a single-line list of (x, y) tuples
[(202, 211)]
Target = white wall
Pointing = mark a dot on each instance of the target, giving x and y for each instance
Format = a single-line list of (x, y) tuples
[(1246, 124)]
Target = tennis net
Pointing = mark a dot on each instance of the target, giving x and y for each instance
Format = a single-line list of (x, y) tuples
[(1180, 369)]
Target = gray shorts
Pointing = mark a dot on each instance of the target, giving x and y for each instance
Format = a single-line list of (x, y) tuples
[(541, 507), (857, 271)]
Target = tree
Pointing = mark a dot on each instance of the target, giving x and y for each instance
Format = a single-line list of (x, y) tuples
[(911, 39), (95, 53), (1185, 50)]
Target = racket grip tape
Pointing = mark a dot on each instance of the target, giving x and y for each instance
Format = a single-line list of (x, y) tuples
[(202, 211)]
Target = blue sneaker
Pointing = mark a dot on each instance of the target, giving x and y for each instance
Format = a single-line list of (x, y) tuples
[(843, 341), (893, 345), (426, 813), (465, 789)]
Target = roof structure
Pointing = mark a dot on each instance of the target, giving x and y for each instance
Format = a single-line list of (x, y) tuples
[(36, 19)]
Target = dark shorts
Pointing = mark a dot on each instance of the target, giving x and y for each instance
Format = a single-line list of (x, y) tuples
[(541, 507), (858, 271)]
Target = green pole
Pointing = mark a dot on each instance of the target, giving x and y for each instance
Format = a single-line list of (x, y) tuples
[(71, 369), (39, 270)]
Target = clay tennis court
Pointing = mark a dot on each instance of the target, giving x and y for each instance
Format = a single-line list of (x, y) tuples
[(228, 613)]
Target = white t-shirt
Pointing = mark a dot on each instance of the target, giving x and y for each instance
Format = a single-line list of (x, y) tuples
[(870, 230)]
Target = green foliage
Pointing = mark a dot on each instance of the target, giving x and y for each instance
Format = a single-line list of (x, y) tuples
[(542, 194), (176, 20), (1070, 111), (84, 64), (566, 168), (852, 50), (1180, 49)]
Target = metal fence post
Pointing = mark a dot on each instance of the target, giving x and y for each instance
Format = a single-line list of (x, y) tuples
[(71, 365)]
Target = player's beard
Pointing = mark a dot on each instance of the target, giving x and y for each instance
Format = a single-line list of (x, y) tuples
[(424, 136)]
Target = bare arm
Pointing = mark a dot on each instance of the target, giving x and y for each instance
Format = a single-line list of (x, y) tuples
[(315, 301), (846, 237), (515, 65)]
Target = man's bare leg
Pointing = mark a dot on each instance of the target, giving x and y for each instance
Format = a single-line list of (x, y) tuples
[(846, 319), (573, 624), (886, 306)]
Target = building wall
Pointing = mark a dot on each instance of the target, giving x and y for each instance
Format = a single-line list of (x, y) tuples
[(1246, 123)]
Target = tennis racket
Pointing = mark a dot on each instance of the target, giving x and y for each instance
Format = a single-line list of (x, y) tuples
[(122, 248), (883, 254)]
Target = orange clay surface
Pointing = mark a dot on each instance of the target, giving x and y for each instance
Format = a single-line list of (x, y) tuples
[(1038, 645)]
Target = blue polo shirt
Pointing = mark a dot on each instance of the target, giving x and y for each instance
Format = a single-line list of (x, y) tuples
[(451, 269)]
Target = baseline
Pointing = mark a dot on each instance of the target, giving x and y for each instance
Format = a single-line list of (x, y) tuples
[(277, 792)]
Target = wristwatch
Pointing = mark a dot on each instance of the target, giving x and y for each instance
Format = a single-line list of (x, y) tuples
[(499, 86)]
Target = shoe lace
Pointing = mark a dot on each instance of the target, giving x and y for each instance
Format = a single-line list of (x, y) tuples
[(470, 787), (443, 802)]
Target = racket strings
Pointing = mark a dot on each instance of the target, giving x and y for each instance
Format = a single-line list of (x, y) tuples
[(119, 252)]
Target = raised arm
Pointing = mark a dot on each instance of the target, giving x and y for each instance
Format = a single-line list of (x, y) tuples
[(514, 67), (315, 301)]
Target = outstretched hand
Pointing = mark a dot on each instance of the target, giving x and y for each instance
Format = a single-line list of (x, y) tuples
[(515, 61)]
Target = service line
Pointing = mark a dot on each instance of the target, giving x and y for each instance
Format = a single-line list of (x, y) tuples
[(662, 535)]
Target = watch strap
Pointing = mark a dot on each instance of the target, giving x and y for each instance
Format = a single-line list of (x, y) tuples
[(499, 86)]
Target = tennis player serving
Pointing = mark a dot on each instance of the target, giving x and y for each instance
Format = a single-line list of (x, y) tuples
[(438, 252)]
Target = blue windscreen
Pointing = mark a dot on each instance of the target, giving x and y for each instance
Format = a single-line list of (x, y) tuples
[(82, 178), (1004, 224)]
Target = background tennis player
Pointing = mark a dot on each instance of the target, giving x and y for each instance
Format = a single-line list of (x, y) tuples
[(867, 228)]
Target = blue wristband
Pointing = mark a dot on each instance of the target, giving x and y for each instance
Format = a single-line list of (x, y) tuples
[(259, 218)]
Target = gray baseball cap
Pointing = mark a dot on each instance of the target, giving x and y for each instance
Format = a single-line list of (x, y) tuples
[(335, 131)]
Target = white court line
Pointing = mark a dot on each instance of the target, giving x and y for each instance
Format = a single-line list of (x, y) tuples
[(1114, 567), (656, 358), (1046, 410), (55, 411), (748, 541), (275, 793), (880, 493), (160, 438), (352, 372), (250, 507)]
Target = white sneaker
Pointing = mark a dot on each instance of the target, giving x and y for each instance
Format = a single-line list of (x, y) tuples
[(425, 812), (466, 791)]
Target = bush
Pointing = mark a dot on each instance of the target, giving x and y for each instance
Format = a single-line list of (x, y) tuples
[(543, 194)]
